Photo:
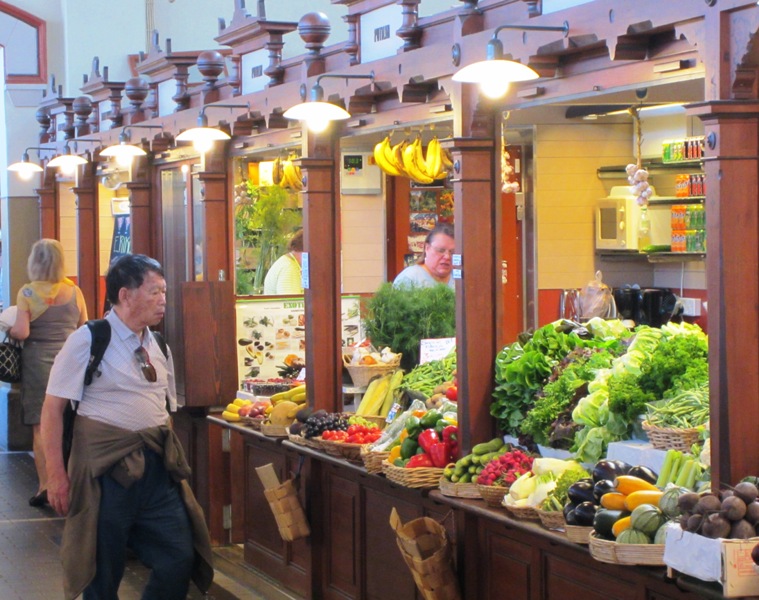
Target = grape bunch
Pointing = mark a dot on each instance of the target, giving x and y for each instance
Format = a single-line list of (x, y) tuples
[(321, 421)]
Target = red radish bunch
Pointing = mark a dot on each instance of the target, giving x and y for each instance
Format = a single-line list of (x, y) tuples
[(505, 469)]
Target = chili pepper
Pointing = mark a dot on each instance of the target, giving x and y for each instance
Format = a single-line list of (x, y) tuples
[(419, 460), (413, 426), (427, 438), (439, 454)]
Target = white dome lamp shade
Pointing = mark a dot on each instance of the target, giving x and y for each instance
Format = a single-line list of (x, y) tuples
[(124, 152), (203, 136), (315, 112), (495, 73), (25, 168)]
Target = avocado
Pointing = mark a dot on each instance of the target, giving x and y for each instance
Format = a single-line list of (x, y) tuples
[(303, 414)]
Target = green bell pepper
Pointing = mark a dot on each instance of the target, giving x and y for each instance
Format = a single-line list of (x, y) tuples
[(430, 418), (408, 447), (413, 426)]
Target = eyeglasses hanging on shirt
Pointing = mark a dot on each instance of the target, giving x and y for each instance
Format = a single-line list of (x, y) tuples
[(147, 368)]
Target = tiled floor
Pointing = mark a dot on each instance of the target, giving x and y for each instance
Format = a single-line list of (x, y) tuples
[(29, 543)]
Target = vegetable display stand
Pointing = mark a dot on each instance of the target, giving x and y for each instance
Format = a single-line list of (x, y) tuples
[(284, 503), (626, 554), (671, 438), (373, 460), (459, 490), (351, 452), (493, 494), (420, 477), (552, 519), (578, 534), (523, 513), (426, 550), (363, 374)]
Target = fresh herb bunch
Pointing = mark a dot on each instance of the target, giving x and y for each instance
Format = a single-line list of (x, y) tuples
[(626, 396), (678, 361), (400, 317)]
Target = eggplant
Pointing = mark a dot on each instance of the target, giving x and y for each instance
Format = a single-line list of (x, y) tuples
[(643, 472), (609, 469), (580, 491), (570, 517), (604, 486), (569, 507), (585, 513)]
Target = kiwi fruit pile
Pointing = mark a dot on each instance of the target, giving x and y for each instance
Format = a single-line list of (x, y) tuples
[(731, 513)]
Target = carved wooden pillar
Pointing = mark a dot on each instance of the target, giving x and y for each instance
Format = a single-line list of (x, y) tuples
[(43, 118), (82, 107), (275, 71), (321, 225), (477, 223), (732, 271), (216, 234), (410, 32), (142, 221), (136, 89), (314, 29), (87, 212), (49, 210), (352, 46)]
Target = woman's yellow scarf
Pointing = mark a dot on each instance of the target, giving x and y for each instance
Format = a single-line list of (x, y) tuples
[(39, 295)]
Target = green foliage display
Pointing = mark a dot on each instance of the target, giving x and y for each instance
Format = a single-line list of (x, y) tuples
[(400, 318)]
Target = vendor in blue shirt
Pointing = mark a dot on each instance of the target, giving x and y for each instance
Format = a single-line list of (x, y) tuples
[(436, 263)]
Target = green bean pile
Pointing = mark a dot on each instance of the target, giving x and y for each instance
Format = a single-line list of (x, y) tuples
[(425, 378), (686, 410)]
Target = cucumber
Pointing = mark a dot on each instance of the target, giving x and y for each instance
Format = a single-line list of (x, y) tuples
[(656, 248), (487, 447)]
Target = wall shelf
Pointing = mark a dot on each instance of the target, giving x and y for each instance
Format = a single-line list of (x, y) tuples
[(654, 257), (651, 165), (669, 200)]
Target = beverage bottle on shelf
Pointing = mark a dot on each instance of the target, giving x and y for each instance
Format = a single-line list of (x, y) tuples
[(644, 230)]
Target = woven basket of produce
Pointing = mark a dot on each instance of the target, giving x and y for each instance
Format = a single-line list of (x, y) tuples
[(493, 494), (626, 554), (420, 477), (273, 430), (376, 420), (459, 490), (303, 441), (578, 534), (253, 423), (344, 450), (671, 438), (363, 374), (373, 459), (523, 513), (552, 519)]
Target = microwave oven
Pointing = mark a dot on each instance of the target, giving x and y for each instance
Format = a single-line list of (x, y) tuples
[(617, 217)]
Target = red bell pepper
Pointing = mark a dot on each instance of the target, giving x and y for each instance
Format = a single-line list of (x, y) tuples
[(440, 454), (427, 438), (451, 439), (419, 460)]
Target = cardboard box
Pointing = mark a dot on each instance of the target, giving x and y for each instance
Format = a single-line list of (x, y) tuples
[(726, 561)]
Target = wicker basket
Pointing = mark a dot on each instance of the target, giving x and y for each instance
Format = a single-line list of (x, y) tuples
[(626, 554), (459, 490), (552, 519), (373, 459), (376, 420), (363, 374), (523, 513), (344, 450), (578, 534), (671, 439), (493, 494), (253, 423), (421, 477), (273, 430), (302, 441)]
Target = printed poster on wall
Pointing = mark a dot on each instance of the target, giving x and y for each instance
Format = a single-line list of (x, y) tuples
[(271, 334)]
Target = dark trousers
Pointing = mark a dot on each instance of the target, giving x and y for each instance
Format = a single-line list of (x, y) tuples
[(150, 518)]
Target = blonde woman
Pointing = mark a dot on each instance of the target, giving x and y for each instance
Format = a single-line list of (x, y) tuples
[(49, 308)]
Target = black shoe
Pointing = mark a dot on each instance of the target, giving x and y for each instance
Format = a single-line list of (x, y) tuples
[(39, 499)]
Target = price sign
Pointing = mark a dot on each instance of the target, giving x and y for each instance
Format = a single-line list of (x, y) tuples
[(435, 349)]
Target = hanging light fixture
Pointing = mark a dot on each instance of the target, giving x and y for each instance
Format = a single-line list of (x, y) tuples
[(495, 73), (124, 152), (316, 113), (67, 162), (25, 168), (203, 136)]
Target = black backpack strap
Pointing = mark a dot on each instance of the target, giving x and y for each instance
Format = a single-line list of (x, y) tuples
[(101, 337), (161, 341)]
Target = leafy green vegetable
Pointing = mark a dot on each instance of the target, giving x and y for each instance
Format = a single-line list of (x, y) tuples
[(400, 318), (558, 497), (670, 362), (626, 398)]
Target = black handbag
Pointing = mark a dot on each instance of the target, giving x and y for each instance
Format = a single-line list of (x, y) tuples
[(10, 360)]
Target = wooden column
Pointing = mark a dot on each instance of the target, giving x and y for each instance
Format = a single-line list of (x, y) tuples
[(49, 212), (87, 212), (477, 224), (732, 269), (216, 221), (142, 220), (321, 225)]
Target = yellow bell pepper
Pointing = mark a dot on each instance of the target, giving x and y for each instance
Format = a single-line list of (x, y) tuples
[(394, 453)]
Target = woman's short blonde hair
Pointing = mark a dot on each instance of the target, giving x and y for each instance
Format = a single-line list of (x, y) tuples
[(46, 261)]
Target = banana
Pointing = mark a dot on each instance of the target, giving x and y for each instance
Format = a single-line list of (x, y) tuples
[(413, 162), (395, 157), (240, 402), (433, 159), (233, 408), (383, 156), (230, 416), (291, 177), (276, 171), (445, 155)]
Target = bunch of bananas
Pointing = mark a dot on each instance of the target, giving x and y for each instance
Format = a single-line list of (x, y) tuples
[(286, 174), (409, 160)]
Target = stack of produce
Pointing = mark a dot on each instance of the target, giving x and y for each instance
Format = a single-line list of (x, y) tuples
[(504, 469), (468, 468), (355, 434), (731, 513), (531, 489), (286, 174), (321, 421), (240, 408), (380, 395), (435, 376), (428, 439)]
